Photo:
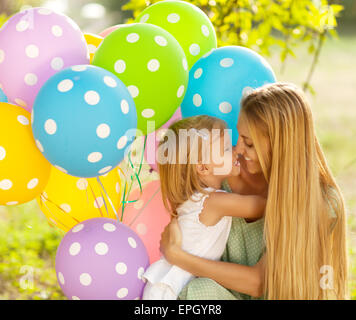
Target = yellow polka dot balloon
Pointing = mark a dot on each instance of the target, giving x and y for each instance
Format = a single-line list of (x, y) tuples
[(68, 200), (24, 171), (93, 42)]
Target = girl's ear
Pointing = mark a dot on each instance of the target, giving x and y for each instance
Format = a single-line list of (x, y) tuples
[(202, 169)]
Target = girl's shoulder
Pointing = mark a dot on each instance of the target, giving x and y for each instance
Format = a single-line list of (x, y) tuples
[(197, 201)]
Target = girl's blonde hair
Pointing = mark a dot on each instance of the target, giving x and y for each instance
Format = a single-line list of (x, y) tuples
[(179, 179), (305, 223)]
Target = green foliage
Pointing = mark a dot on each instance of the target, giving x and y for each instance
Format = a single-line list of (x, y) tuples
[(27, 254), (264, 24), (260, 24)]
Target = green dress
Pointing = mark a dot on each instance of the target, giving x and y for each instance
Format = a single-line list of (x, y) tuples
[(245, 246)]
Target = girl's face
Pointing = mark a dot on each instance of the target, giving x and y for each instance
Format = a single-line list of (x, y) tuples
[(245, 149), (223, 160)]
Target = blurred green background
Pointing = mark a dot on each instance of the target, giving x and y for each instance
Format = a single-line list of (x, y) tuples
[(311, 43)]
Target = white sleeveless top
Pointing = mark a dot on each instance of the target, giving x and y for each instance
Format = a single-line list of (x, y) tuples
[(198, 239)]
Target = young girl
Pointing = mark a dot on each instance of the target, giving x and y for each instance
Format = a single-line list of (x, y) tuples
[(191, 191)]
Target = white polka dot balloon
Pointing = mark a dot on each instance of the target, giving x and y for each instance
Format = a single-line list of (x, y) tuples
[(153, 66), (34, 45), (187, 23), (24, 172), (101, 259), (68, 200), (219, 80), (138, 215), (84, 119)]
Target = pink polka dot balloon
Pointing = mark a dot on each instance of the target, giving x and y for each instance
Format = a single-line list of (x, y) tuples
[(148, 217), (101, 259), (154, 138), (34, 45), (107, 31)]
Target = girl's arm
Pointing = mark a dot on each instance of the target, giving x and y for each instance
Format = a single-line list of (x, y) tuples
[(244, 279), (235, 205)]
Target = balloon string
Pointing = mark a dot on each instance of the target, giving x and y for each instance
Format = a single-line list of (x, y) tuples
[(136, 175), (107, 195), (86, 193), (106, 208), (144, 207), (42, 196), (95, 199)]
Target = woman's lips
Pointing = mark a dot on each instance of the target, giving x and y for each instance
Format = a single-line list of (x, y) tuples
[(236, 163), (243, 158)]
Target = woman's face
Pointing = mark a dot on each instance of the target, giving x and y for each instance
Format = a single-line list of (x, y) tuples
[(246, 149)]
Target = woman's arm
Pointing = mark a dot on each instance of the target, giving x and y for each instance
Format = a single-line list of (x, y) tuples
[(244, 279), (232, 276)]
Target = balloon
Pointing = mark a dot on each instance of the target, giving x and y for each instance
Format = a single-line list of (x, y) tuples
[(84, 117), (154, 137), (148, 217), (107, 31), (218, 81), (68, 200), (34, 45), (187, 23), (152, 65), (24, 172), (93, 42), (101, 259), (3, 97)]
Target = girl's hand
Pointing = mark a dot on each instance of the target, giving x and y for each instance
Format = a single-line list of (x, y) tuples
[(171, 241)]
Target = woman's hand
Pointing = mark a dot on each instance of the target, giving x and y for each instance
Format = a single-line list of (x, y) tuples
[(171, 241)]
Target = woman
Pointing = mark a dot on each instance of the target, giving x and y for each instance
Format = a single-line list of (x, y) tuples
[(304, 227)]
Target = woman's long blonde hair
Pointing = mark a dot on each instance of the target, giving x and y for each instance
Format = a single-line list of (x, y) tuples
[(179, 179), (305, 223)]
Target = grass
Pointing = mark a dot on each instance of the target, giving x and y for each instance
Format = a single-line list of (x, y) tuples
[(27, 240)]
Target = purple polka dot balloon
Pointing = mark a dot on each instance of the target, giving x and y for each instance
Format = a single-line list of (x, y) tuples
[(34, 45), (101, 259)]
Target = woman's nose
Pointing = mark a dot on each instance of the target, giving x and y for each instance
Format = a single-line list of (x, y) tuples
[(238, 148)]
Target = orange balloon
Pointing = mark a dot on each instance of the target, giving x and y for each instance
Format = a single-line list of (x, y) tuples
[(24, 171)]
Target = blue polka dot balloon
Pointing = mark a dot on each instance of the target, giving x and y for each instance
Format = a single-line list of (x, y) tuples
[(219, 79), (3, 97), (83, 119)]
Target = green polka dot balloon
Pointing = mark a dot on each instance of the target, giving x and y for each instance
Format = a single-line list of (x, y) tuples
[(152, 65), (187, 23)]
